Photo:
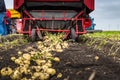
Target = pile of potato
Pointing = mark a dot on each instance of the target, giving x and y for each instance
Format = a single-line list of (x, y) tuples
[(37, 64)]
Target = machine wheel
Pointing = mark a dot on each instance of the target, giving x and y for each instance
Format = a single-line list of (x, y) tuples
[(40, 35), (74, 36), (33, 37)]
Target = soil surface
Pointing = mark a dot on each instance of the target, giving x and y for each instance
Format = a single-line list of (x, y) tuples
[(78, 62)]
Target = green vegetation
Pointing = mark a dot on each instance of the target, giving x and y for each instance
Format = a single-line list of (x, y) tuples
[(108, 41), (108, 35), (13, 40)]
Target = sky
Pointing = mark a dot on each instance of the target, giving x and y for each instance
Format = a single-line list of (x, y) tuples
[(106, 14)]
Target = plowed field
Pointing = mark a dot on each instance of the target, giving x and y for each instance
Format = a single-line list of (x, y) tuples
[(83, 60)]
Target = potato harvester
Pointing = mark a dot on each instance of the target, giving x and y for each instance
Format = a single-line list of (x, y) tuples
[(68, 16)]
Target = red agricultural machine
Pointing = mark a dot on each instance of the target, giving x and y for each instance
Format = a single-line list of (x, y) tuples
[(68, 16)]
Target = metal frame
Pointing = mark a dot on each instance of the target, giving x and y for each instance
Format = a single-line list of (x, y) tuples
[(67, 31), (82, 16)]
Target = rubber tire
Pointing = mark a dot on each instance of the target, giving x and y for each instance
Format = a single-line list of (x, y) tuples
[(33, 37), (40, 35), (73, 34)]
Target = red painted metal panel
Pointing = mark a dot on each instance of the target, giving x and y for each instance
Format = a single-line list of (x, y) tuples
[(90, 4), (18, 3), (53, 0)]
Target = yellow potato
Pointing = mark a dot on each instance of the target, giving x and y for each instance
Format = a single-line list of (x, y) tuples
[(16, 75), (96, 57), (27, 56), (6, 71), (51, 71), (19, 52), (56, 59), (17, 61), (13, 58), (59, 75)]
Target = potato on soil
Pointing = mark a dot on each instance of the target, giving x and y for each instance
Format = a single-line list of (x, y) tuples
[(59, 75), (51, 71), (27, 56), (19, 52), (96, 57), (13, 58), (56, 59), (40, 62), (18, 61), (6, 71), (16, 75)]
